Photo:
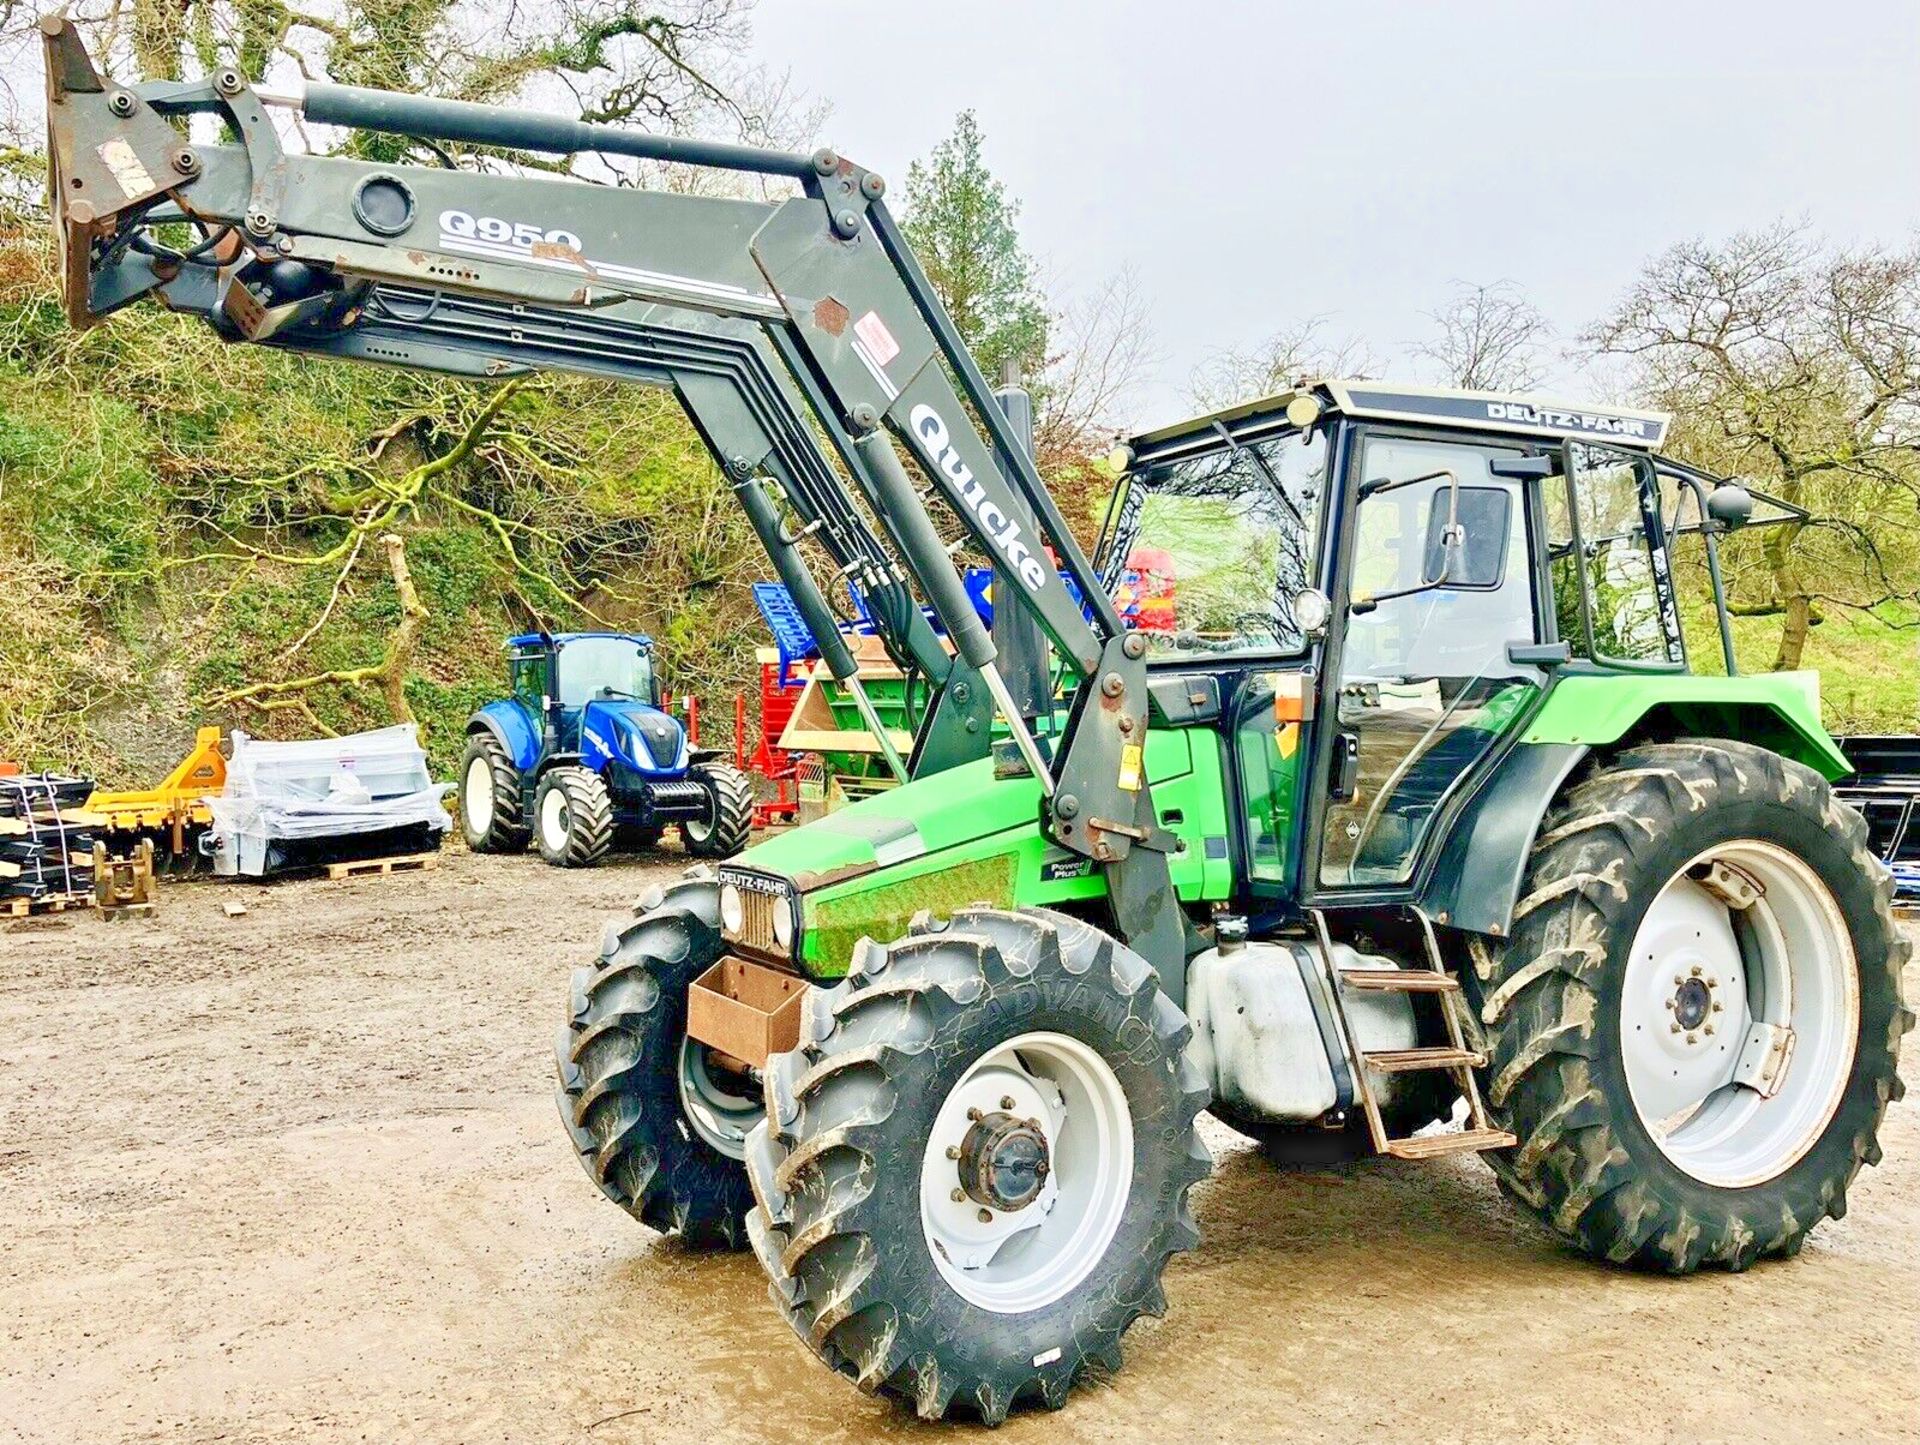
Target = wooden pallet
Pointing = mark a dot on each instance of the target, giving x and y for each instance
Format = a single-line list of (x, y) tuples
[(373, 867), (59, 903)]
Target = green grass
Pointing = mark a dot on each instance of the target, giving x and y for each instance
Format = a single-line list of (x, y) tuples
[(1869, 667)]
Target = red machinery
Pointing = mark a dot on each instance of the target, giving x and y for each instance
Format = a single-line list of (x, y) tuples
[(769, 765)]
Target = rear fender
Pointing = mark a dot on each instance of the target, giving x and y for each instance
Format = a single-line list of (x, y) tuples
[(1476, 879), (512, 727)]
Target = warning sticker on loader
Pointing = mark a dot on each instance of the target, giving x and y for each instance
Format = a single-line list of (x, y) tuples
[(1130, 767)]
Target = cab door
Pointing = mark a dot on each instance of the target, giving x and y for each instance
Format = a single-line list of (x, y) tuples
[(1428, 663)]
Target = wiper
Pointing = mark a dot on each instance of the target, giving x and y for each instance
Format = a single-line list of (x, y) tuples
[(1260, 464)]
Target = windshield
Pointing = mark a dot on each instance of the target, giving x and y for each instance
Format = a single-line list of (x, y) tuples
[(590, 664), (1216, 546)]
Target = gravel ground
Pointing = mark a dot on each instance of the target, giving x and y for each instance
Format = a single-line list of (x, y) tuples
[(297, 1176)]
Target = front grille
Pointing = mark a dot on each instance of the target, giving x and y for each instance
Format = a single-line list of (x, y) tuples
[(662, 737), (756, 921), (761, 899)]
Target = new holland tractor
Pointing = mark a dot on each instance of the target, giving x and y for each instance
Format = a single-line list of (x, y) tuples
[(580, 753), (1413, 830)]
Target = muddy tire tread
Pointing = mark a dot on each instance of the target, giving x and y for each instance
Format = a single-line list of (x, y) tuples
[(1537, 998), (863, 1042), (617, 1058)]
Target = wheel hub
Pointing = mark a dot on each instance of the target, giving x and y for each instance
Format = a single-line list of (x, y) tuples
[(1025, 1172), (1692, 1001), (1004, 1161)]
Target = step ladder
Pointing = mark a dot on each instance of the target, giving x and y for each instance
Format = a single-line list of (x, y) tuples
[(1454, 1056)]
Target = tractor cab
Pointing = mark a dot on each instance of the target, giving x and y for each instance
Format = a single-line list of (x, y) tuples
[(604, 696), (1395, 588)]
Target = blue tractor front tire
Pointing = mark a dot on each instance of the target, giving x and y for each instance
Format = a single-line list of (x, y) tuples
[(723, 829), (572, 817)]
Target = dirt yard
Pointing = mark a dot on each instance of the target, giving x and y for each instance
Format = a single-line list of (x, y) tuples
[(297, 1176)]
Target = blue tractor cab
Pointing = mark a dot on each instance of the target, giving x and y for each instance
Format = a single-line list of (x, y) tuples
[(580, 754)]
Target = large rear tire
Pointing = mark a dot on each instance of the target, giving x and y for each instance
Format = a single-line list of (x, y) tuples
[(490, 808), (897, 1266), (572, 817), (1691, 912), (633, 1092), (729, 820)]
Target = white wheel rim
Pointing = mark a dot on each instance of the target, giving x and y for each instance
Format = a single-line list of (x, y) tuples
[(1740, 1012), (698, 830), (477, 796), (719, 1116), (555, 821), (1024, 1259)]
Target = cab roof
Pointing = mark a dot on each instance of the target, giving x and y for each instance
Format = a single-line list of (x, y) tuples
[(1439, 406), (561, 639)]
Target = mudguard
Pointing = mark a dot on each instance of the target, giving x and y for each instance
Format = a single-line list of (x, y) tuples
[(1476, 880), (512, 725)]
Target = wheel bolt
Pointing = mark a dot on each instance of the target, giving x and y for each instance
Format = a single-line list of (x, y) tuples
[(1696, 970), (953, 1151), (1006, 1101), (1691, 1039), (986, 1216), (1719, 1008), (1678, 979), (1669, 1005), (975, 1115), (1708, 1030), (1673, 1028), (959, 1196)]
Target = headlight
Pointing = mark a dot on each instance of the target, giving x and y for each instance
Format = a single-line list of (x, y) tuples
[(732, 914), (783, 922)]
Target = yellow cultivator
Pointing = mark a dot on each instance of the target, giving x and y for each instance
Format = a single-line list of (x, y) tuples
[(174, 815)]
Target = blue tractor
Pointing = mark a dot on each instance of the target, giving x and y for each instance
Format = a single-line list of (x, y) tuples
[(581, 754)]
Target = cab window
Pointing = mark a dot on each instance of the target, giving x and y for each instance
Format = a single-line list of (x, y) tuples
[(1223, 544)]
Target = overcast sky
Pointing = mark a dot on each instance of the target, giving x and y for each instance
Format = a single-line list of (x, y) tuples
[(1259, 163)]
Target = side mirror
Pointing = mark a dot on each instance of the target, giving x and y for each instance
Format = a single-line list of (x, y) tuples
[(1467, 544), (1731, 505)]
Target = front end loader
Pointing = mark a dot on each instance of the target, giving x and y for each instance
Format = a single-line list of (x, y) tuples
[(1408, 829)]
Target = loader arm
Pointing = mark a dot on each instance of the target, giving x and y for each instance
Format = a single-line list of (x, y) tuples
[(734, 390), (294, 241)]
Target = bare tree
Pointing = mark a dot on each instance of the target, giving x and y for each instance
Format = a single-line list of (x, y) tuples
[(1489, 338), (1105, 351), (1297, 352), (1797, 365), (667, 65)]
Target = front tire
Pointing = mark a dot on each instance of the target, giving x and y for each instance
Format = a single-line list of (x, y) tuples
[(490, 808), (1018, 1027), (573, 817), (1691, 911), (626, 1092), (729, 820)]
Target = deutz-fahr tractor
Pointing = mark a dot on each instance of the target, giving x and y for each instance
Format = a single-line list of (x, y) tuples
[(580, 753), (1410, 829)]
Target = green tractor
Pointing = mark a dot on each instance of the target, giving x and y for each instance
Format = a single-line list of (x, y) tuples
[(1408, 828), (1463, 857)]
